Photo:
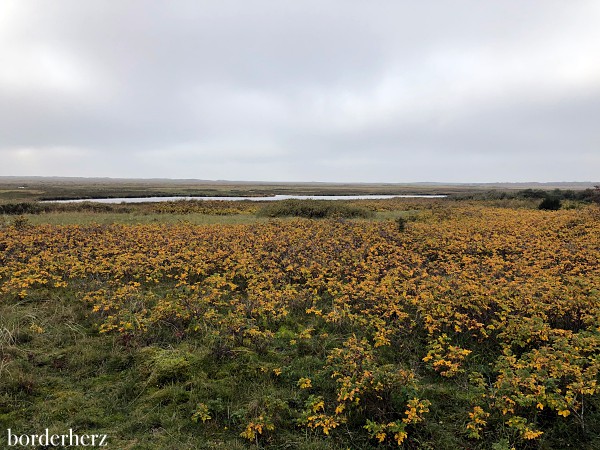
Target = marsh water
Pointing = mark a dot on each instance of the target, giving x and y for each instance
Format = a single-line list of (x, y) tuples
[(261, 199)]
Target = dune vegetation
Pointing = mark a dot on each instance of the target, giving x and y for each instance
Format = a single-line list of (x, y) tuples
[(464, 324)]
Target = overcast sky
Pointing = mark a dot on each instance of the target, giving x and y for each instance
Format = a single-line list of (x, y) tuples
[(324, 90)]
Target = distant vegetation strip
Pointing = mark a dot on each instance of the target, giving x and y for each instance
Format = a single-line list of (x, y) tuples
[(307, 208), (584, 195), (171, 207), (303, 208)]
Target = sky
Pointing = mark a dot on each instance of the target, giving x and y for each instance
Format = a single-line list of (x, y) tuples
[(313, 90)]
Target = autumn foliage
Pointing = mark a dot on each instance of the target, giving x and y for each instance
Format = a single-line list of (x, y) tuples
[(502, 305)]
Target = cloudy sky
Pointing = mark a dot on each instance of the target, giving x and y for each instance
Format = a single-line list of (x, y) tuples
[(323, 90)]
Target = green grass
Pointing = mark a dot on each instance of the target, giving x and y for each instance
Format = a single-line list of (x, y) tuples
[(58, 372)]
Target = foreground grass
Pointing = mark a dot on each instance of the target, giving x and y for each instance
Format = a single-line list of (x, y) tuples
[(59, 373)]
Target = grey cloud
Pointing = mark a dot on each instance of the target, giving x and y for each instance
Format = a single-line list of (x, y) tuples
[(317, 90)]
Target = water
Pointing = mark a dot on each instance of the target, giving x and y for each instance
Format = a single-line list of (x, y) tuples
[(256, 199)]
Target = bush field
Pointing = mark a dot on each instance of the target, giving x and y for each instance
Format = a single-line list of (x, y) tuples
[(469, 326)]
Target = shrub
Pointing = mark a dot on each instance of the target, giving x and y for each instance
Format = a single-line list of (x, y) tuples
[(550, 204), (17, 209), (313, 209), (21, 222), (401, 222)]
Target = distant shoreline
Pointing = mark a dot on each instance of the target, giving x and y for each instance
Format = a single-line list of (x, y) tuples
[(56, 188)]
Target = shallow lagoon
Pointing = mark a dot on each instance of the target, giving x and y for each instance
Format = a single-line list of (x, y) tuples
[(270, 198)]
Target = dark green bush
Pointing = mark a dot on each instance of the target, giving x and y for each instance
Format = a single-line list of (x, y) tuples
[(401, 222), (313, 209), (550, 204), (583, 195), (18, 209)]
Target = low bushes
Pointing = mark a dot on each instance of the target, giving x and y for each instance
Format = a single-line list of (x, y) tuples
[(313, 209)]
